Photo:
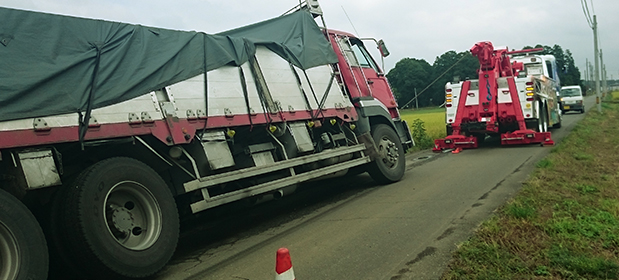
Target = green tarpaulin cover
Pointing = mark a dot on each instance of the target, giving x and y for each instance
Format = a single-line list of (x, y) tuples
[(53, 64)]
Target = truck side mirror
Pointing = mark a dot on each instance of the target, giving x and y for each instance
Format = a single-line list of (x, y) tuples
[(382, 48)]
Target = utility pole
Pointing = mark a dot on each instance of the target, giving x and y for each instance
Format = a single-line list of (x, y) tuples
[(586, 76), (603, 78), (591, 75), (416, 100), (598, 95)]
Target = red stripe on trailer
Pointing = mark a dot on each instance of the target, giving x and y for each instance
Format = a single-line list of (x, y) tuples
[(170, 132)]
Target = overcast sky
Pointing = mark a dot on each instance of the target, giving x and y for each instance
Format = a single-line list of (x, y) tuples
[(411, 28)]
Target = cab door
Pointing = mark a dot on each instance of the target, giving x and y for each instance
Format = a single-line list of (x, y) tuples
[(373, 75), (351, 70)]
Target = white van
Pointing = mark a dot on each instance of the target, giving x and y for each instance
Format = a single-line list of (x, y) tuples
[(571, 99)]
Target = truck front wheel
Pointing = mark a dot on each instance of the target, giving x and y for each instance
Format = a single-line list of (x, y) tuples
[(390, 164), (23, 250), (119, 220)]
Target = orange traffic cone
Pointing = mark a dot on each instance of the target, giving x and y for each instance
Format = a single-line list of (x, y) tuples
[(283, 265)]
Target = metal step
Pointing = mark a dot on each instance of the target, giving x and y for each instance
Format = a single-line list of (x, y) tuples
[(210, 202), (257, 170)]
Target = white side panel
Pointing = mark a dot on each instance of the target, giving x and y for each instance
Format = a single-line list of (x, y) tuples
[(450, 112), (119, 113), (188, 95), (527, 106), (55, 121), (280, 79), (225, 93), (319, 77), (503, 94), (472, 96), (252, 92)]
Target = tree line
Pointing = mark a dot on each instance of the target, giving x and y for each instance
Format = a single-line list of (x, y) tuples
[(412, 75)]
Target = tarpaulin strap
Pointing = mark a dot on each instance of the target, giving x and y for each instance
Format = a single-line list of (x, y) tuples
[(313, 93), (205, 87), (85, 119), (300, 84), (246, 96), (324, 97)]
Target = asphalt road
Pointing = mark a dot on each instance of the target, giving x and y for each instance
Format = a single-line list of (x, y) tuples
[(350, 228)]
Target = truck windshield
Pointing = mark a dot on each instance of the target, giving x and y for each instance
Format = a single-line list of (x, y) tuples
[(567, 92)]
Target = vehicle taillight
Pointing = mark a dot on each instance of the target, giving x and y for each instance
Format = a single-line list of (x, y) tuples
[(530, 92), (448, 96)]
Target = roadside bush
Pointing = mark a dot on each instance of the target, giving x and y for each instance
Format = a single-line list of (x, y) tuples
[(420, 135)]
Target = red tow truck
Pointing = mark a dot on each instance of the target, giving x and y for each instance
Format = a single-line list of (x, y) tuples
[(515, 95)]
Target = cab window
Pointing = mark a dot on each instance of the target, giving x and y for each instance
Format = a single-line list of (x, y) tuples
[(550, 69), (364, 58)]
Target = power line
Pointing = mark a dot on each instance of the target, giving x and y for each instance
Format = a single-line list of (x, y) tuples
[(414, 98), (585, 10)]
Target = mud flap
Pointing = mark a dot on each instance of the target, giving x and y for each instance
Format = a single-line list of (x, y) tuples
[(370, 145)]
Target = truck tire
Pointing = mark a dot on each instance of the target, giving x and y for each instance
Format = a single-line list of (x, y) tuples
[(390, 165), (118, 220), (23, 250), (559, 124), (542, 121)]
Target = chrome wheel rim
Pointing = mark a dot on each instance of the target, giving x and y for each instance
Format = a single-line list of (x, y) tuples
[(388, 152), (133, 215), (9, 253)]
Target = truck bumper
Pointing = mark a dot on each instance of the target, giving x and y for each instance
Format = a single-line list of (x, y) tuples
[(526, 136), (518, 137), (571, 107), (454, 142)]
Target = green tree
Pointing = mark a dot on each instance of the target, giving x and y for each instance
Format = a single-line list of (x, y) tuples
[(407, 75), (571, 74), (450, 67)]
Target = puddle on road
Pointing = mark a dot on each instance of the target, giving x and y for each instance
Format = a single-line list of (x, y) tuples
[(424, 158)]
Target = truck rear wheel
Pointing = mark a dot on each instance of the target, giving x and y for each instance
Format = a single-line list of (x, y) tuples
[(119, 220), (542, 121), (390, 165), (23, 250)]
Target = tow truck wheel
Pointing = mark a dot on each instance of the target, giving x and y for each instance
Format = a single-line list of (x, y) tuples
[(23, 250), (390, 165), (120, 220), (542, 121), (558, 124)]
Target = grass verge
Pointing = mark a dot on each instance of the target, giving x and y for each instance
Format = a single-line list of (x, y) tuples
[(564, 223)]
